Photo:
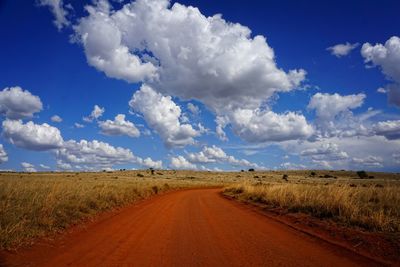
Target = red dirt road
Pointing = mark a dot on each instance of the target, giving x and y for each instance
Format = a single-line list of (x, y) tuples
[(186, 228)]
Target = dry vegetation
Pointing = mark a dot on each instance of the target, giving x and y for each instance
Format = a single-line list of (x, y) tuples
[(373, 203), (36, 204)]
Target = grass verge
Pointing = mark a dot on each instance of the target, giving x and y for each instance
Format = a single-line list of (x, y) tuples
[(370, 207), (35, 205)]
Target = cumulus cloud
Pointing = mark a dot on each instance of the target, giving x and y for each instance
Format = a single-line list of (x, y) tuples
[(369, 161), (343, 152), (106, 48), (59, 12), (341, 50), (259, 126), (28, 167), (78, 125), (214, 154), (191, 56), (149, 163), (327, 106), (56, 118), (16, 103), (387, 57), (64, 166), (180, 163), (327, 151), (3, 154), (119, 126), (381, 90), (292, 166), (221, 122), (96, 113), (194, 56), (334, 116), (162, 115), (44, 166), (32, 136), (193, 108), (95, 155), (389, 129)]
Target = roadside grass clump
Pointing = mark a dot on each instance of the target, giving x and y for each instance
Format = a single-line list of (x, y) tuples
[(371, 207)]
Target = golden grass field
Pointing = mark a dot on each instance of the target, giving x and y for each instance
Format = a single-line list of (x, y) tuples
[(372, 204), (34, 205)]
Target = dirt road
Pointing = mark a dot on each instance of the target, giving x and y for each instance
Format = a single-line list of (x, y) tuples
[(186, 228)]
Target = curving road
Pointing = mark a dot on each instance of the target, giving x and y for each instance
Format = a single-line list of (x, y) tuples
[(186, 228)]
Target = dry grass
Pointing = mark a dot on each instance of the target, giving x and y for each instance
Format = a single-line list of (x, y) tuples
[(34, 205), (373, 204), (37, 204)]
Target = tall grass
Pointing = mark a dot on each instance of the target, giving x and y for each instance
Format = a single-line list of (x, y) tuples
[(369, 206), (33, 205)]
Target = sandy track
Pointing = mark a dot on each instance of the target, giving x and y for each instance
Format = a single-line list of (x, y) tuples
[(186, 228)]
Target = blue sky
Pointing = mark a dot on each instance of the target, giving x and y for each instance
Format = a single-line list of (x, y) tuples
[(266, 85)]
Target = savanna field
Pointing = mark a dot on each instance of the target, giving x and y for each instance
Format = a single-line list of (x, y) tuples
[(35, 205)]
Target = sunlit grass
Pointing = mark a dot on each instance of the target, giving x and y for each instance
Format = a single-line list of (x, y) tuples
[(368, 204), (33, 205)]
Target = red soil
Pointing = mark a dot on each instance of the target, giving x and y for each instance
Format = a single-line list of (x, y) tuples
[(185, 228)]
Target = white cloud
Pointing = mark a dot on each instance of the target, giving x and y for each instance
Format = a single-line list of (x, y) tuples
[(200, 57), (389, 129), (28, 167), (162, 115), (59, 12), (215, 154), (327, 151), (369, 161), (32, 136), (97, 155), (342, 152), (180, 162), (64, 166), (119, 126), (94, 153), (328, 106), (106, 48), (259, 126), (56, 118), (3, 154), (221, 122), (381, 90), (341, 50), (96, 113), (387, 57), (16, 103), (191, 57), (44, 166), (78, 125), (193, 108), (292, 166), (149, 163)]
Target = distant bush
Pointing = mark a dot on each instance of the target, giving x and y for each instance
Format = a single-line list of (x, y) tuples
[(328, 176), (313, 174), (251, 170), (362, 174), (285, 177), (140, 175)]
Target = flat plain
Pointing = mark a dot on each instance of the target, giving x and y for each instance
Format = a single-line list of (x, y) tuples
[(356, 219)]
